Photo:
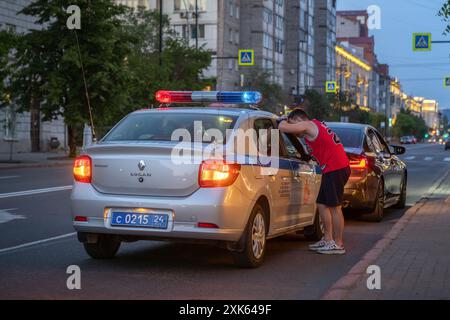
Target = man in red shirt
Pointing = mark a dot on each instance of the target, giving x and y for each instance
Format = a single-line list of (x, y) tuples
[(327, 150)]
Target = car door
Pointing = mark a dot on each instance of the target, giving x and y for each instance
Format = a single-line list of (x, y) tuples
[(382, 160), (278, 178), (305, 185), (394, 163)]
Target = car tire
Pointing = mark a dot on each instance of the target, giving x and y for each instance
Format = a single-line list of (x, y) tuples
[(401, 204), (378, 208), (106, 247), (253, 241), (314, 232)]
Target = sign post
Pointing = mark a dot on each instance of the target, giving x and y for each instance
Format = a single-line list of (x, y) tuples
[(331, 87), (421, 42), (447, 82)]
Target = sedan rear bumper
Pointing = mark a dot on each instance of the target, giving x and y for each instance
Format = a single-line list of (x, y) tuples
[(227, 208)]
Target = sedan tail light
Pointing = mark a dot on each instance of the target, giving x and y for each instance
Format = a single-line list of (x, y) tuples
[(82, 169), (216, 173), (358, 163)]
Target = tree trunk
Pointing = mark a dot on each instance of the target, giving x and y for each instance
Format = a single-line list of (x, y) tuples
[(72, 134), (35, 125)]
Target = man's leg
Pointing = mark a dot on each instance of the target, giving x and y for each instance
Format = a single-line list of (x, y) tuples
[(325, 215), (338, 225)]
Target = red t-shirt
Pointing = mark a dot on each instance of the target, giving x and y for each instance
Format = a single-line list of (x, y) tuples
[(327, 149)]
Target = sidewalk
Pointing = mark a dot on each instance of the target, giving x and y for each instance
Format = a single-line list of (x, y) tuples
[(34, 159), (414, 257)]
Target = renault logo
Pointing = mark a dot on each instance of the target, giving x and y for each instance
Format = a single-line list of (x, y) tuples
[(141, 165)]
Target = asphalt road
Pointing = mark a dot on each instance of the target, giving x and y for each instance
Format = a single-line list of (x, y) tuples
[(160, 270)]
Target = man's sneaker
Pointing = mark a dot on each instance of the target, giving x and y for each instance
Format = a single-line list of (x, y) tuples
[(331, 248), (317, 245)]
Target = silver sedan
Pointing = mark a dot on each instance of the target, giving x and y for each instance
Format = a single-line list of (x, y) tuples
[(134, 184)]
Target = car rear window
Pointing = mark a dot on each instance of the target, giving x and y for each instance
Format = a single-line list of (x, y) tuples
[(159, 126), (350, 138)]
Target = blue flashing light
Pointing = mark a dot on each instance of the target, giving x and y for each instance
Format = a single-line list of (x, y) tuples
[(244, 97)]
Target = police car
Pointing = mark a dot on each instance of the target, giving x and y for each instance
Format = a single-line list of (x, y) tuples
[(186, 172)]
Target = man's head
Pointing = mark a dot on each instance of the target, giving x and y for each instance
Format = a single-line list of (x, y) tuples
[(297, 115)]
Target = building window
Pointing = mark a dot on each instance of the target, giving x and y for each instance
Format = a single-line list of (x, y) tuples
[(278, 45), (230, 35), (201, 31), (237, 12), (267, 41), (279, 22), (267, 16), (279, 2), (231, 9), (189, 5)]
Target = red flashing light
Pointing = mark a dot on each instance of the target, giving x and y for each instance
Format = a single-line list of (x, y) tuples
[(166, 97)]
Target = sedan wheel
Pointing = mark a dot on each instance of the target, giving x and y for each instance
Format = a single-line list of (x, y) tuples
[(378, 210), (253, 241)]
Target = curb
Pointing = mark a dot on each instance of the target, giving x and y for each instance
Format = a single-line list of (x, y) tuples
[(340, 289), (4, 166)]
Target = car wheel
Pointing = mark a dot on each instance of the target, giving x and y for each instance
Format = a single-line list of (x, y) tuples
[(314, 232), (253, 240), (106, 247), (378, 209), (401, 204)]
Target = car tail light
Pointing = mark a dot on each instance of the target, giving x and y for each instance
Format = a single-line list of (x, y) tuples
[(213, 174), (81, 219), (82, 169), (207, 225), (359, 163)]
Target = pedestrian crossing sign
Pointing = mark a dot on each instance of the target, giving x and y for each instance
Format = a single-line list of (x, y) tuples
[(331, 87), (246, 57), (421, 41), (447, 82)]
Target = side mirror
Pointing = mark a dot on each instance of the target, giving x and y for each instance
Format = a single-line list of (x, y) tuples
[(398, 150)]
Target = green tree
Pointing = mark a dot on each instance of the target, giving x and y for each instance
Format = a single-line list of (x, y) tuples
[(320, 106), (7, 42), (409, 124), (444, 13), (48, 69), (273, 94)]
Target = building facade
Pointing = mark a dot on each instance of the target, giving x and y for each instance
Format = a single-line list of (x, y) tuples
[(353, 74), (325, 43), (25, 131)]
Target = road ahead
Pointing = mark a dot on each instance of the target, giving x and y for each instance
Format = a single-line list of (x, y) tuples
[(159, 270)]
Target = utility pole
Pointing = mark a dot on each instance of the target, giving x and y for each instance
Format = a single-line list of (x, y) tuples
[(160, 31), (196, 24)]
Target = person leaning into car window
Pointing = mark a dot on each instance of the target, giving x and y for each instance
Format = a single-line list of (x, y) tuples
[(327, 150)]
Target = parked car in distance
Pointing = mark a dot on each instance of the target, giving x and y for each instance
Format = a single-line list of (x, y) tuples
[(447, 143), (407, 140), (378, 178)]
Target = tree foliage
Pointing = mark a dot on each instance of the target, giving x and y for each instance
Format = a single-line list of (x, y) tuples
[(444, 13), (8, 41), (273, 94), (409, 124), (118, 50)]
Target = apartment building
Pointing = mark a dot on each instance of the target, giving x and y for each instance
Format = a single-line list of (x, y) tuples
[(26, 131), (325, 42), (353, 74)]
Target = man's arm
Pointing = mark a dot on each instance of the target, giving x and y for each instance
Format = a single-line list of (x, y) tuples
[(299, 128)]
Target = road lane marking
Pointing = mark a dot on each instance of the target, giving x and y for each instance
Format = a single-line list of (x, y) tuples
[(29, 244), (5, 216), (447, 159), (428, 159), (410, 158), (9, 177), (35, 191)]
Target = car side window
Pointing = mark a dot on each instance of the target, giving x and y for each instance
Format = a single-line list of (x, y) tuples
[(259, 126), (384, 146), (373, 142), (291, 150)]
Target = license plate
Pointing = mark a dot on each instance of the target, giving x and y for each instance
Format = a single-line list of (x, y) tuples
[(140, 220)]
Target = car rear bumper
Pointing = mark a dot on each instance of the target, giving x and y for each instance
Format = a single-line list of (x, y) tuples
[(227, 208), (357, 193)]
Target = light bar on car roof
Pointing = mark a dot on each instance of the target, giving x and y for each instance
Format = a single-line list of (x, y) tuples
[(226, 97)]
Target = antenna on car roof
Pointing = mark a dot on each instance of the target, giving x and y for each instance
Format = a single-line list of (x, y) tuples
[(94, 137)]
